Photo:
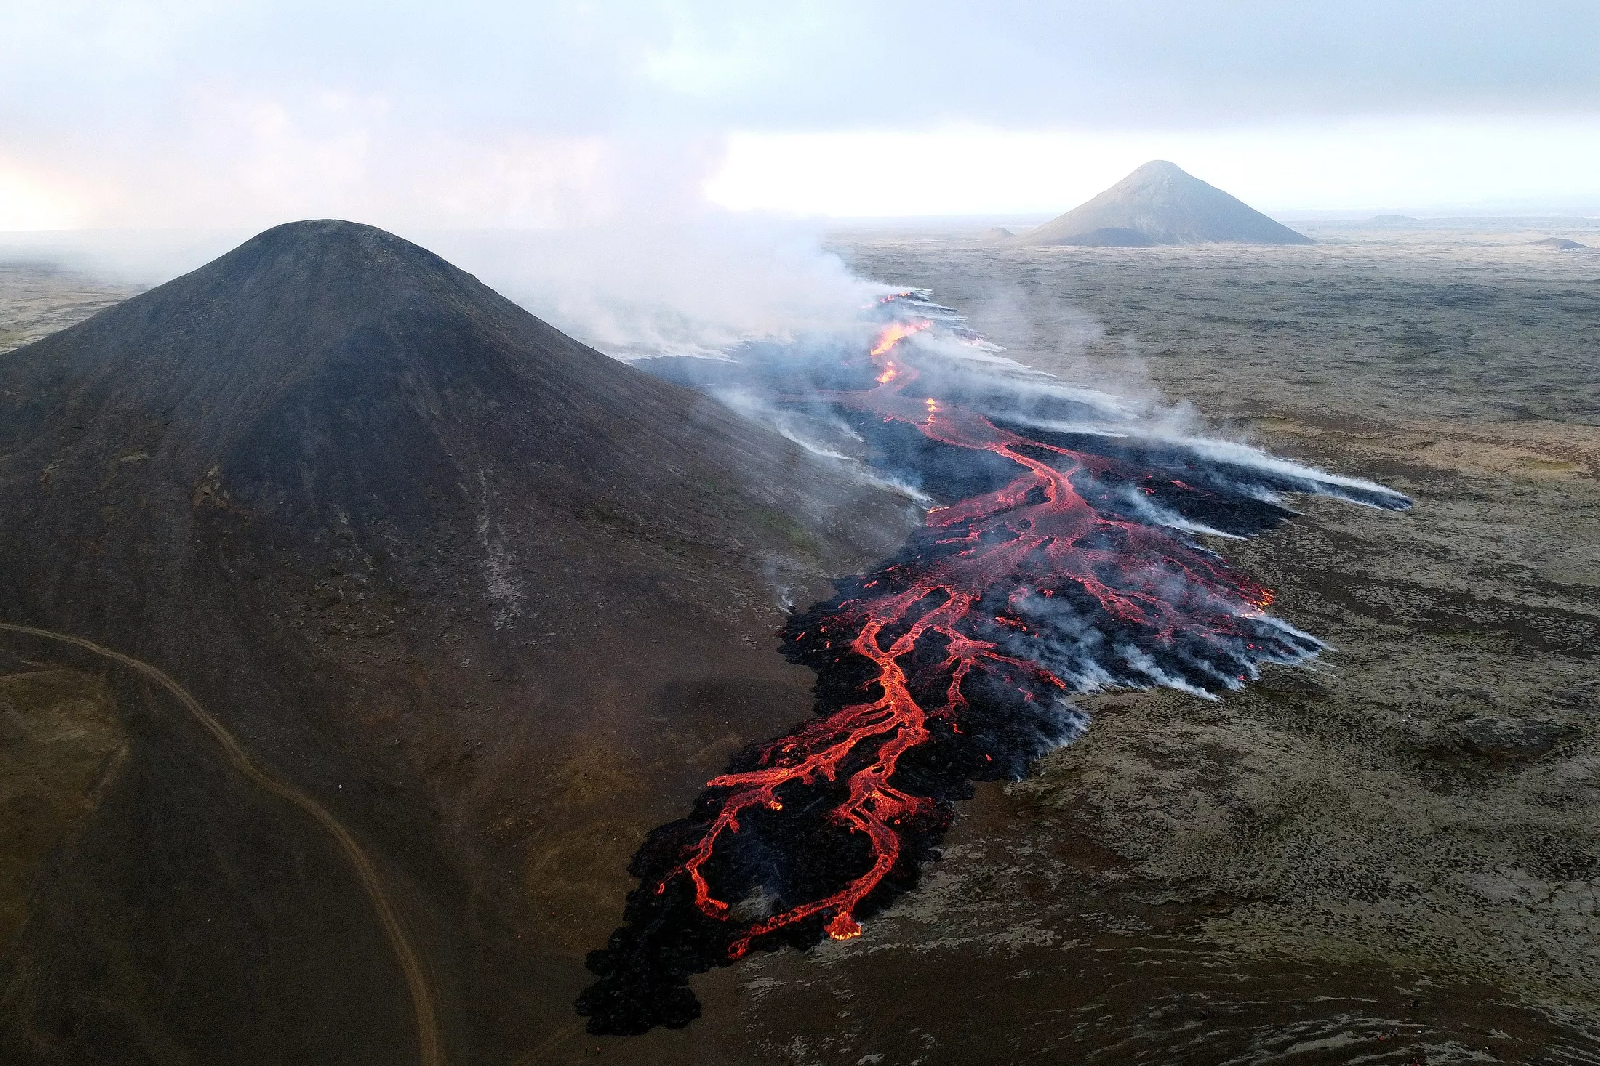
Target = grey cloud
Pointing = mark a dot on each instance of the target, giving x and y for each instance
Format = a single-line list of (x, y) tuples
[(244, 112), (571, 68)]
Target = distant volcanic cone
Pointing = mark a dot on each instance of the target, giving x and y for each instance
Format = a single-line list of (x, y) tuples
[(1161, 204), (462, 607)]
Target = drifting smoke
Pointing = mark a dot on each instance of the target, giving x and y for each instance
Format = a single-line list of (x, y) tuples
[(1060, 557), (701, 284), (641, 289), (126, 257)]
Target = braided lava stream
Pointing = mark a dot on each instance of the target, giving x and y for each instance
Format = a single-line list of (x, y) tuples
[(954, 662)]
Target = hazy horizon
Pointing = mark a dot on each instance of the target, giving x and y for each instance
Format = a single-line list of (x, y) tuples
[(202, 114)]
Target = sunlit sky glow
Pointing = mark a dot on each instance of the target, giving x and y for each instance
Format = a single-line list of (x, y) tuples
[(246, 112), (1449, 164)]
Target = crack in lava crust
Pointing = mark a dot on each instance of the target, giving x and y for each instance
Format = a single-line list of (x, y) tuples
[(952, 663)]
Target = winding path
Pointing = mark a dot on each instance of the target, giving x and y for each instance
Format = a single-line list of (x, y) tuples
[(431, 1050)]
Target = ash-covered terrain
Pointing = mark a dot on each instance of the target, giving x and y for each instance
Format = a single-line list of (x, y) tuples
[(356, 625), (1390, 857)]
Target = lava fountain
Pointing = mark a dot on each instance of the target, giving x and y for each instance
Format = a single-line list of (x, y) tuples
[(1062, 559)]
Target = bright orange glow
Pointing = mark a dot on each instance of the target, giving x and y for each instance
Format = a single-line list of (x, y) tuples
[(897, 332), (1036, 532), (843, 927)]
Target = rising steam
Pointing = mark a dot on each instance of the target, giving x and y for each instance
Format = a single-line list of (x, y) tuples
[(1060, 556)]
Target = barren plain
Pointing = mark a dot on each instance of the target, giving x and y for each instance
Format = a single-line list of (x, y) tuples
[(37, 298), (1393, 857)]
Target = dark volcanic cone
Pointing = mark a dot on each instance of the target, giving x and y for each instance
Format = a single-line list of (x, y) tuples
[(1161, 204), (493, 601)]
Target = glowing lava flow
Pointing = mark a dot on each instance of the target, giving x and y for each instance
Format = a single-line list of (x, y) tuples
[(1063, 570), (1032, 536), (895, 333)]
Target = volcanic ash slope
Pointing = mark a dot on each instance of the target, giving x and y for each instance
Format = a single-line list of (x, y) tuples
[(1159, 203), (493, 601)]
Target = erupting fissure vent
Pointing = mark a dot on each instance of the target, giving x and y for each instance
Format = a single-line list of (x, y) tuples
[(1062, 560)]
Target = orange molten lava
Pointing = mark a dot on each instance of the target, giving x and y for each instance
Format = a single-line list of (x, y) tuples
[(1069, 563), (1037, 525), (897, 332)]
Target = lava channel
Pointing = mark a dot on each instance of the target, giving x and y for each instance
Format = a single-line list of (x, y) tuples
[(951, 663)]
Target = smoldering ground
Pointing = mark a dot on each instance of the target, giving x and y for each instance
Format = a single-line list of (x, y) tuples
[(1062, 557)]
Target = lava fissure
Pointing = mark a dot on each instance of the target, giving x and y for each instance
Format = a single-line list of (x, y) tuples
[(954, 662)]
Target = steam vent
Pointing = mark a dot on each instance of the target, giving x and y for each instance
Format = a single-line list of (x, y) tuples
[(1161, 204)]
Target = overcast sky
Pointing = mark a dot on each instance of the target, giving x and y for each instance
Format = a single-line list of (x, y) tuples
[(246, 112)]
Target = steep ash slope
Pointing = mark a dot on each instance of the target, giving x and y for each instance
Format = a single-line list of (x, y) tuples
[(492, 600)]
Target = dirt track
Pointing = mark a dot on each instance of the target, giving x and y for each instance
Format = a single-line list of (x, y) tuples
[(430, 1048)]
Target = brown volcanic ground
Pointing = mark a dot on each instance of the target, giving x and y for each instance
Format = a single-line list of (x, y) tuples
[(492, 603), (1390, 860)]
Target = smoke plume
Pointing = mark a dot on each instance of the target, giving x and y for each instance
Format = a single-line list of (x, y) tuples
[(1063, 553)]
